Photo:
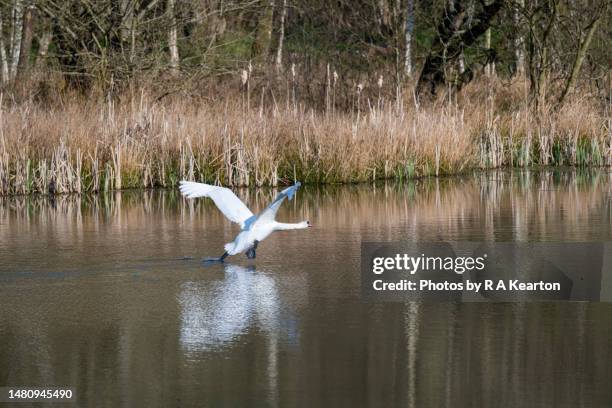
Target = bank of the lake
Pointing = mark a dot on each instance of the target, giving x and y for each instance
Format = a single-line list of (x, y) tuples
[(80, 145)]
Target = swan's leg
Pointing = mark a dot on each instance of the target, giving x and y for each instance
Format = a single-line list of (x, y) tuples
[(251, 252), (220, 259)]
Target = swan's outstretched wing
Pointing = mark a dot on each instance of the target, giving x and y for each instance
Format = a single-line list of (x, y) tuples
[(225, 199), (269, 214)]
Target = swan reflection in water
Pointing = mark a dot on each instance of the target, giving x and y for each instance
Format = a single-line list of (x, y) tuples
[(217, 313)]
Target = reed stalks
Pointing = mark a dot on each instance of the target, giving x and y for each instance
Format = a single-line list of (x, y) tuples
[(126, 142)]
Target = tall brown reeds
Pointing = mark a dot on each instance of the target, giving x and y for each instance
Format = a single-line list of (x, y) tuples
[(138, 142)]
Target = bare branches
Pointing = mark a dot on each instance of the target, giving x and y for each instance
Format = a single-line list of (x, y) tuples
[(585, 42), (109, 44)]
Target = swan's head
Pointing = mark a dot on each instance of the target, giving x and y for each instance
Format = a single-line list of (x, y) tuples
[(306, 224)]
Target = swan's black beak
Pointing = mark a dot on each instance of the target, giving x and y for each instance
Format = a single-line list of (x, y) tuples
[(309, 224)]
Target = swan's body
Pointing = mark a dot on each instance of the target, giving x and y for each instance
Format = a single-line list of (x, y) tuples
[(255, 228)]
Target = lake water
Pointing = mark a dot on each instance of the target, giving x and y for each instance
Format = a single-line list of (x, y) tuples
[(108, 295)]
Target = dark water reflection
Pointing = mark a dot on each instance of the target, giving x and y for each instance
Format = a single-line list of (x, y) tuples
[(95, 294)]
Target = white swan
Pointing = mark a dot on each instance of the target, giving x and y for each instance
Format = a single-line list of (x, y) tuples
[(255, 228)]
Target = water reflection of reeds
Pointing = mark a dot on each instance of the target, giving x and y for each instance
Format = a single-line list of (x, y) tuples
[(477, 206), (195, 334)]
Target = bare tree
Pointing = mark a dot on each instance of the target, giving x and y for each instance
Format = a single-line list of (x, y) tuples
[(408, 29), (172, 37), (542, 19), (16, 33), (281, 36), (556, 43), (3, 55), (26, 39), (519, 40), (453, 34), (586, 36), (489, 67)]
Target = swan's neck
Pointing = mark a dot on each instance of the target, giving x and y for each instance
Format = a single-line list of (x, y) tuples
[(281, 226)]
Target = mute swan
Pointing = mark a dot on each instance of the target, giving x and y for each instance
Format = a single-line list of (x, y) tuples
[(255, 228)]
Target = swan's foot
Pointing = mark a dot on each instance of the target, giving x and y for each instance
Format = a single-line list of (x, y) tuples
[(251, 252), (219, 259)]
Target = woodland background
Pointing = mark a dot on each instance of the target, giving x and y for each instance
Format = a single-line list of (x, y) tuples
[(129, 93)]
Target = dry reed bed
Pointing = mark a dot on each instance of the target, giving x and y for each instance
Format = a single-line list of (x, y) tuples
[(83, 146)]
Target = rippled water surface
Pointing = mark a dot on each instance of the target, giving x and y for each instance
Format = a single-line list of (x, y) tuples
[(108, 295)]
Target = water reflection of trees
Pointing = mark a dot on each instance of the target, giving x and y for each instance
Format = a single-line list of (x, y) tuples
[(400, 354), (477, 206)]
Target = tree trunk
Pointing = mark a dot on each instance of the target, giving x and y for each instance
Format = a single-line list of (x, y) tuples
[(3, 56), (452, 35), (540, 52), (408, 29), (43, 49), (468, 21), (383, 15), (519, 41), (281, 37), (489, 66), (16, 39), (580, 55), (26, 40), (172, 38)]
